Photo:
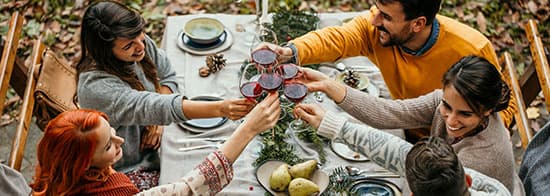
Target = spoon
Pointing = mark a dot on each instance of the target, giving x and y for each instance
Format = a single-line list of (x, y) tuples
[(340, 66), (354, 171)]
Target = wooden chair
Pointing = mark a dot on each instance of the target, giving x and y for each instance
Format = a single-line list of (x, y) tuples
[(9, 54), (540, 60), (48, 79), (510, 73), (6, 65)]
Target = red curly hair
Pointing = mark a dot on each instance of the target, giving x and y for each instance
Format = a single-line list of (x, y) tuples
[(65, 152)]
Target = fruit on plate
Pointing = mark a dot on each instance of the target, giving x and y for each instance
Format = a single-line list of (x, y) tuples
[(280, 178), (304, 169), (302, 187)]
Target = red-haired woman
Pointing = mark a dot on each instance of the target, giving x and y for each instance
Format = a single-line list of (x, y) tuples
[(79, 147)]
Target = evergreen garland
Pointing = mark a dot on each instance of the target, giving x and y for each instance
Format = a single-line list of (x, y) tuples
[(288, 24), (292, 23)]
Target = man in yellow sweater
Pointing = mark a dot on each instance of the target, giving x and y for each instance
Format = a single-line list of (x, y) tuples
[(411, 45)]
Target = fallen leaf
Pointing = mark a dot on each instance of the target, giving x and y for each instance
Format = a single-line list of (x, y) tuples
[(459, 12), (532, 112), (55, 26), (345, 7), (481, 22), (532, 7)]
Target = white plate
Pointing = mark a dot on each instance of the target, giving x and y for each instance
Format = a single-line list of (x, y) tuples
[(364, 84), (263, 173), (345, 152)]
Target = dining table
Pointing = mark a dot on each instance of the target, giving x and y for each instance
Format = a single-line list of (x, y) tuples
[(223, 84)]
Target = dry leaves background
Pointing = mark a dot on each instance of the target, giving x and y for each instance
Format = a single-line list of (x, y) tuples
[(500, 20)]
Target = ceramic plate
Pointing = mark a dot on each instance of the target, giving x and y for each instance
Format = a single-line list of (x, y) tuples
[(201, 125), (264, 172), (364, 84), (379, 187), (342, 150)]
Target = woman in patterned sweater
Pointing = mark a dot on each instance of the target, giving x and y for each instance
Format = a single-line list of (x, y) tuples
[(464, 112), (78, 149)]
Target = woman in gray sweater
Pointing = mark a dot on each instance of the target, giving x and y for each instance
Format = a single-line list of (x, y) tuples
[(464, 112), (123, 74)]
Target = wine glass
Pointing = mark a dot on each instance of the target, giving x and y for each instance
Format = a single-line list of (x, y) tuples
[(266, 58), (296, 92), (264, 36), (248, 82)]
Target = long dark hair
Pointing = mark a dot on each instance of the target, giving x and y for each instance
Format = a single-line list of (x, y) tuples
[(103, 22), (480, 83)]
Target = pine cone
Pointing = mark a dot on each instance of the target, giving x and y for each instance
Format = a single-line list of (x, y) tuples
[(215, 62), (351, 78)]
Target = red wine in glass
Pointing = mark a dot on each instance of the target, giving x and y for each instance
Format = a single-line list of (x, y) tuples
[(295, 92), (288, 71), (265, 57), (270, 81), (251, 90)]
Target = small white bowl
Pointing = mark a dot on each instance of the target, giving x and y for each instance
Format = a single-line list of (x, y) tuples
[(203, 30)]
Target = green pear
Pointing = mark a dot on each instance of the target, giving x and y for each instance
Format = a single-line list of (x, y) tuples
[(302, 187), (280, 178), (304, 169)]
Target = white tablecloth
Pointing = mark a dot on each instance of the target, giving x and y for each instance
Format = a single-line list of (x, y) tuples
[(175, 164)]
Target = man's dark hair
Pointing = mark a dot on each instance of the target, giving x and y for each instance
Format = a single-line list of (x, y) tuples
[(432, 168), (416, 8)]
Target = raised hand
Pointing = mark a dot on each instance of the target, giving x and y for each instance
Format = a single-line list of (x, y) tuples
[(264, 115), (311, 113), (237, 108), (317, 81)]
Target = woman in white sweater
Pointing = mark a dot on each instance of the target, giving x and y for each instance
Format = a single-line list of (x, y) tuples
[(464, 112)]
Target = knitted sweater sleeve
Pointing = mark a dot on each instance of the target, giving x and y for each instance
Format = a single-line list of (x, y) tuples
[(126, 106), (332, 43), (165, 71), (390, 152), (208, 178), (392, 114)]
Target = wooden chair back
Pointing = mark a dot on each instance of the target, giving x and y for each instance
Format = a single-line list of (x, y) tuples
[(510, 73), (21, 133), (7, 65), (48, 79), (540, 59), (9, 55)]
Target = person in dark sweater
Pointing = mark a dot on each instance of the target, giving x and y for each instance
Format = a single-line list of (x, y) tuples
[(79, 147)]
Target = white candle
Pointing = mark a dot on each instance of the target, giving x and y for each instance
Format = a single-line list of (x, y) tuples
[(263, 18)]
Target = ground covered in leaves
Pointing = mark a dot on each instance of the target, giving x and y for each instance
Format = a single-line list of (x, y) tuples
[(500, 20)]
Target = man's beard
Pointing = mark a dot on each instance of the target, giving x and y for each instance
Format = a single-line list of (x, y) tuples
[(393, 40)]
